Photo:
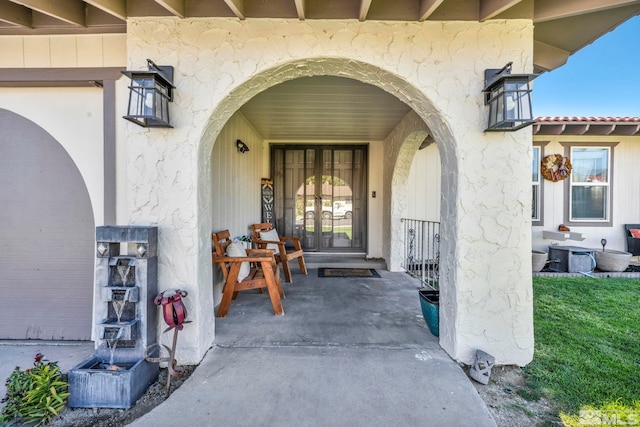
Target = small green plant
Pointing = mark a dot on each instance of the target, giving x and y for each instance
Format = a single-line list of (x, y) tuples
[(531, 391), (35, 395)]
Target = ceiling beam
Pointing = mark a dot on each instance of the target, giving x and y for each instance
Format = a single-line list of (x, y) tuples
[(237, 7), (596, 129), (576, 129), (626, 129), (491, 8), (15, 14), (300, 8), (547, 57), (364, 9), (69, 11), (176, 7), (427, 7), (117, 8), (548, 10)]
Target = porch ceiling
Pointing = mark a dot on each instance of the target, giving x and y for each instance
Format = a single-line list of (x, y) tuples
[(324, 108), (561, 27)]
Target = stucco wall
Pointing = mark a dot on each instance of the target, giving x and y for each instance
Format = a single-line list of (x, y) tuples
[(435, 67), (625, 193)]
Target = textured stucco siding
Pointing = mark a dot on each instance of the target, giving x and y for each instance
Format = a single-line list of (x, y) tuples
[(435, 67)]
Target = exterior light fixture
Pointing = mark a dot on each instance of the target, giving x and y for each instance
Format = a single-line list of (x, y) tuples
[(149, 95), (509, 99), (241, 146)]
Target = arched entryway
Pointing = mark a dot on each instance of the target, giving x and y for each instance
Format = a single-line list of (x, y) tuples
[(424, 112), (223, 64), (47, 234)]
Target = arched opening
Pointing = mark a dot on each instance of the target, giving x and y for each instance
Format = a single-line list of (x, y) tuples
[(218, 140)]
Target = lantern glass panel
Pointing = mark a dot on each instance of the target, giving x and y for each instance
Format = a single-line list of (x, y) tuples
[(510, 105), (149, 96)]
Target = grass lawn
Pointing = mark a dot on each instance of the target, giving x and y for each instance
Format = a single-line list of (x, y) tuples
[(587, 350), (346, 229)]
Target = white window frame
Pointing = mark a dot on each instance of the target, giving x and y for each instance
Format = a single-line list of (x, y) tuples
[(569, 147), (536, 217), (540, 146)]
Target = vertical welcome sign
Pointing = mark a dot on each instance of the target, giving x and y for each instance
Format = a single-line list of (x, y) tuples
[(267, 200)]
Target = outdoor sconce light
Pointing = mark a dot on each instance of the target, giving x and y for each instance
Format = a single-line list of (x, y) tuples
[(149, 95), (509, 99), (241, 146)]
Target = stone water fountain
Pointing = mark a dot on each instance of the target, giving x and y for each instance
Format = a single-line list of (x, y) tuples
[(124, 320)]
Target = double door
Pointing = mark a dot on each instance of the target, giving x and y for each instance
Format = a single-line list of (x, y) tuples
[(320, 195)]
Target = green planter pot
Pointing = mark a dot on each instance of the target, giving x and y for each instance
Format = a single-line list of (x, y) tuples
[(430, 304)]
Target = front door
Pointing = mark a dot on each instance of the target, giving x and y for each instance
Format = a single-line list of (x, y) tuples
[(320, 195)]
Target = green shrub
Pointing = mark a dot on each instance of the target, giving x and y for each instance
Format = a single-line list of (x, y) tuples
[(35, 395)]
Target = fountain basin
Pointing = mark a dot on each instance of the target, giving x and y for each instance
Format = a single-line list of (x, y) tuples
[(93, 385)]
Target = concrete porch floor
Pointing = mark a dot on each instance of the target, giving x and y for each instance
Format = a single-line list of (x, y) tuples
[(348, 352)]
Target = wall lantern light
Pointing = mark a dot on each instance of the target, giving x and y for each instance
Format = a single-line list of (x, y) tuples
[(149, 95), (509, 99), (241, 146)]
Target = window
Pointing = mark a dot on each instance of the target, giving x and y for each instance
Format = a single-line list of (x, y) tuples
[(590, 190), (535, 182)]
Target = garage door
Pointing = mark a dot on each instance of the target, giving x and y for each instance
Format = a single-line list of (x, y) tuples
[(46, 237)]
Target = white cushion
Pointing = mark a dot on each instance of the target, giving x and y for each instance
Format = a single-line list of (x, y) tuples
[(235, 249), (271, 235)]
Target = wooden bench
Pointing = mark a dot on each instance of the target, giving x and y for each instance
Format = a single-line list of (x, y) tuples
[(263, 273)]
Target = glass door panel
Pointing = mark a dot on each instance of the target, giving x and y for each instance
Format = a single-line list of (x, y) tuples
[(320, 195), (311, 208)]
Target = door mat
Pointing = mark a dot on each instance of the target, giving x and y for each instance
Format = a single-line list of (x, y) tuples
[(347, 272)]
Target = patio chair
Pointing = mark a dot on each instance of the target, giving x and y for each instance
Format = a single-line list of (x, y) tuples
[(235, 263), (266, 237), (633, 241)]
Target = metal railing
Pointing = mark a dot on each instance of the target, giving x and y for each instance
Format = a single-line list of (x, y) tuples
[(422, 250)]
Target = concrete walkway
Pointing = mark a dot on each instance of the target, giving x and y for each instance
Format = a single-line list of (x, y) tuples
[(348, 352)]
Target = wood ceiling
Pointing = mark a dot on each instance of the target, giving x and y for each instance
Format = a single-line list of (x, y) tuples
[(561, 26)]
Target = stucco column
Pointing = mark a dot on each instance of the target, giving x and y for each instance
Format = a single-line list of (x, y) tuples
[(399, 149), (162, 191), (486, 299)]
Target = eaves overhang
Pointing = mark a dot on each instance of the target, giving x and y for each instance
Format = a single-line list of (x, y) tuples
[(626, 126)]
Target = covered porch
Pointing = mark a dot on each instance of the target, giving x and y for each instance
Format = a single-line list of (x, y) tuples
[(349, 351)]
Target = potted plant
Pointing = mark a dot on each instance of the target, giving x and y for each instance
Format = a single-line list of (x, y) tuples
[(611, 260), (430, 304), (538, 260)]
